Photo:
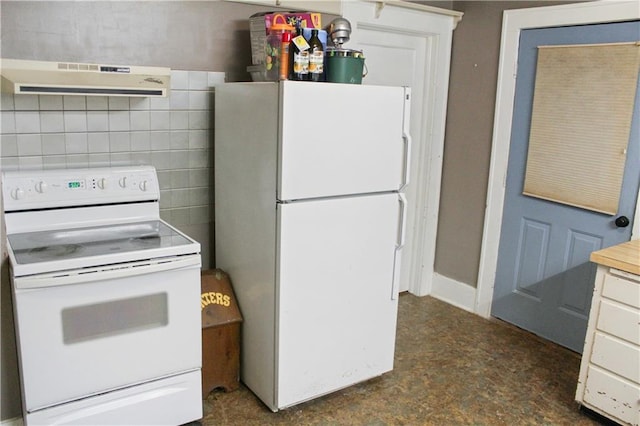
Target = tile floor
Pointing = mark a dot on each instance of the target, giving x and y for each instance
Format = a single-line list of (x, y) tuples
[(451, 368)]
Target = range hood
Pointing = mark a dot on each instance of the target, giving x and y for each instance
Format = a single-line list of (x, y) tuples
[(69, 78)]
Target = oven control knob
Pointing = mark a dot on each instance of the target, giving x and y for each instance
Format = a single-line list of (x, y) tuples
[(41, 187), (102, 183), (17, 194), (123, 182), (143, 185)]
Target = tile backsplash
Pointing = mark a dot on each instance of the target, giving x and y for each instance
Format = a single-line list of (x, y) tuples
[(174, 134)]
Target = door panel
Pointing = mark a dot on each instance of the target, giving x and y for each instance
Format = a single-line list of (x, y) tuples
[(533, 244), (337, 313), (359, 149), (544, 279)]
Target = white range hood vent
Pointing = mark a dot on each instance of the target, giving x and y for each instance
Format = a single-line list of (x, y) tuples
[(67, 78)]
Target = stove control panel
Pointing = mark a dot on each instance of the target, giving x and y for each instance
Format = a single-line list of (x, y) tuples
[(37, 189)]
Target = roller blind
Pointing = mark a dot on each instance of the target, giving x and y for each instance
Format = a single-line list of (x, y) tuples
[(581, 119)]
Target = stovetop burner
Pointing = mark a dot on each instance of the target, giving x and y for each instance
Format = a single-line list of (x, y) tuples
[(147, 241), (56, 251)]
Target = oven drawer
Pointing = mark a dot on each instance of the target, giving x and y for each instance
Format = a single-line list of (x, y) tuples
[(108, 333), (145, 404)]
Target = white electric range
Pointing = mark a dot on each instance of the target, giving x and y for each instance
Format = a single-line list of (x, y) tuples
[(106, 299)]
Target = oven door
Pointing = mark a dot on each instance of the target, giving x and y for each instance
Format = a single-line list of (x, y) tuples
[(93, 331)]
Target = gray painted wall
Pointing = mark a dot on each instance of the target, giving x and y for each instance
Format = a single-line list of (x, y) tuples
[(214, 36), (469, 129), (197, 35)]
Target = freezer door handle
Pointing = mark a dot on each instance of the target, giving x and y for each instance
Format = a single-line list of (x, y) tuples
[(402, 230), (407, 158)]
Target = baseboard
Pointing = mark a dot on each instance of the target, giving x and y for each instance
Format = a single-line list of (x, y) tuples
[(16, 421), (453, 292)]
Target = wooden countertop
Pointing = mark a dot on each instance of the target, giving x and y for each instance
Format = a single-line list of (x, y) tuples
[(625, 256)]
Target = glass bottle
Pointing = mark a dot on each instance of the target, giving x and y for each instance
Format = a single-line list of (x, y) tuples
[(316, 57), (299, 65)]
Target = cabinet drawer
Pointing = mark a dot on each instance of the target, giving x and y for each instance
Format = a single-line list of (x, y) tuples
[(619, 320), (623, 290), (616, 356), (612, 395)]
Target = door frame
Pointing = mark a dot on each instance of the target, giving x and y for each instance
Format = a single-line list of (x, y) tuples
[(514, 21), (436, 25)]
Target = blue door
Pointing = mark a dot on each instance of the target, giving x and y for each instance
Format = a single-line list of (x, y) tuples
[(544, 280)]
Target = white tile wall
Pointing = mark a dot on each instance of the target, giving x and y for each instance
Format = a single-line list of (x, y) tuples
[(50, 103), (97, 121), (75, 121), (51, 122), (53, 144), (26, 103), (27, 122), (76, 143), (96, 102), (140, 120), (78, 103), (29, 144), (173, 134)]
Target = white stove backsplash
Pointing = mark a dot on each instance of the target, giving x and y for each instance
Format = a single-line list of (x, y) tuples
[(174, 134)]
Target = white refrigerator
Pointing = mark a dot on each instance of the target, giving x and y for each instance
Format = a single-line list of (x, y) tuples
[(309, 223)]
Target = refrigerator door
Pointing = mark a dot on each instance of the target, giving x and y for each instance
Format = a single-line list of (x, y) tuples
[(336, 308), (341, 139)]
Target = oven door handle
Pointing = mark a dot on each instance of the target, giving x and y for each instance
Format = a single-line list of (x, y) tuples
[(107, 272)]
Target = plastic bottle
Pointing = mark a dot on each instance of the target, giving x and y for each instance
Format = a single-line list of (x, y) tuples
[(284, 56), (273, 48), (316, 58), (299, 65)]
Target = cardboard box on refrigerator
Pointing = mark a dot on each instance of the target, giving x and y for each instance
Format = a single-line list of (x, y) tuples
[(260, 23)]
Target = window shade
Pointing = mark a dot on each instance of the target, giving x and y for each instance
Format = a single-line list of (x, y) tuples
[(581, 118)]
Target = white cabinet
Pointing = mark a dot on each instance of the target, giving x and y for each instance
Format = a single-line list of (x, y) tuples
[(333, 7), (609, 381)]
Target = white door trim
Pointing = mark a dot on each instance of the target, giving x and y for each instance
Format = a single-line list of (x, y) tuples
[(436, 26), (515, 21)]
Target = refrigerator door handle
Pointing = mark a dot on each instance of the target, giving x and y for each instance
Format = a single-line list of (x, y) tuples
[(402, 230), (407, 158)]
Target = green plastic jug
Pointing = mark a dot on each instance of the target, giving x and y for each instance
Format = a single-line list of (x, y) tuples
[(345, 66)]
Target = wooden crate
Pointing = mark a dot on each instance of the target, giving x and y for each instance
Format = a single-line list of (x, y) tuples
[(221, 321)]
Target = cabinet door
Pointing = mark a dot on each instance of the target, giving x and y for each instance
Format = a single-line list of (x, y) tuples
[(612, 396), (336, 304), (326, 6)]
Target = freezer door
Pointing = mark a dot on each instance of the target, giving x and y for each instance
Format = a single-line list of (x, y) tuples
[(336, 307), (341, 139)]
